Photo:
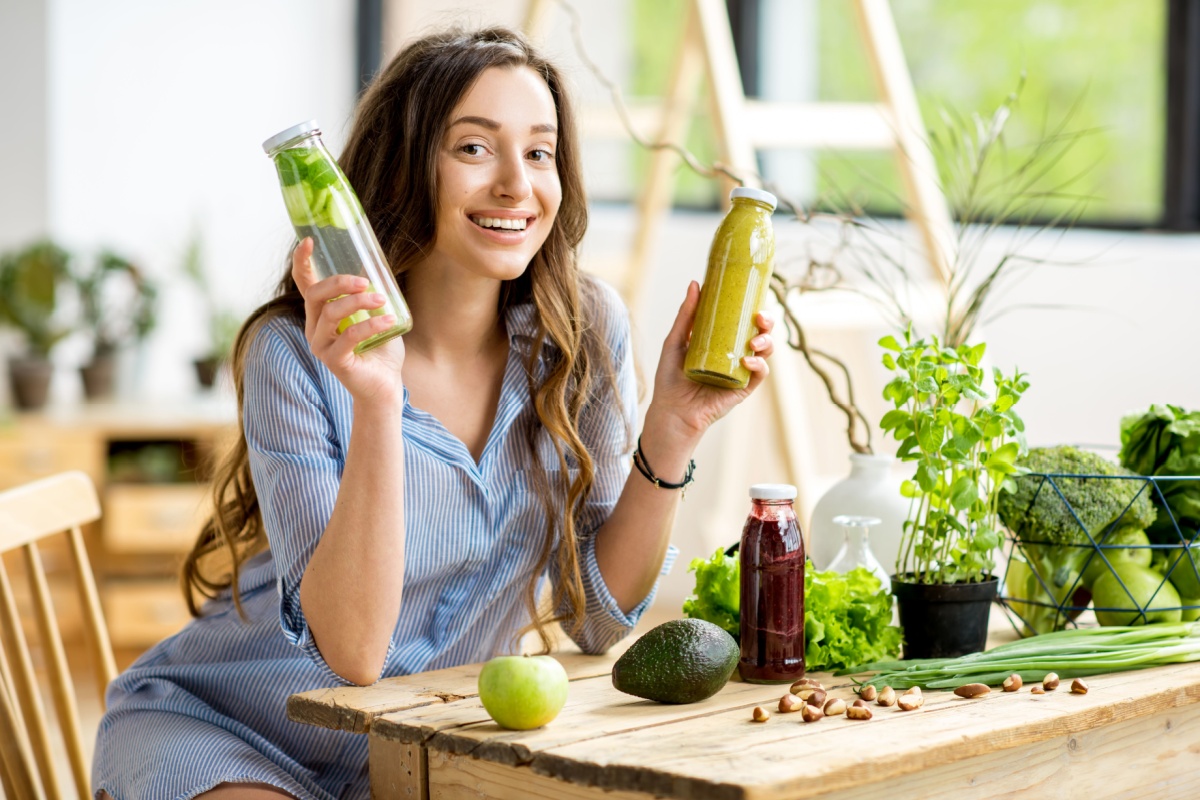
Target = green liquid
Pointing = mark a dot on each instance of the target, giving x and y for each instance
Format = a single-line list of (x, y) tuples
[(740, 262)]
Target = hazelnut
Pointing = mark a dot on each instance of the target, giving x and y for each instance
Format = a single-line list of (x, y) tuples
[(1012, 683), (1078, 687), (761, 714), (1050, 682)]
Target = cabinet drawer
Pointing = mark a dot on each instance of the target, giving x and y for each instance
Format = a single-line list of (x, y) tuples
[(28, 456), (154, 518), (140, 613)]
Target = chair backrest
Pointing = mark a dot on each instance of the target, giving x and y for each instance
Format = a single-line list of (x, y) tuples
[(58, 505)]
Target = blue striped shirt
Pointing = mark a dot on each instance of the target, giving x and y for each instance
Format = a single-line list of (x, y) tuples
[(207, 705)]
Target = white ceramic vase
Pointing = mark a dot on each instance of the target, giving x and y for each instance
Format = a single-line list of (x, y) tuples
[(872, 489)]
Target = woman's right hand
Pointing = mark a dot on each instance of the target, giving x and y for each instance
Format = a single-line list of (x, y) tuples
[(374, 376)]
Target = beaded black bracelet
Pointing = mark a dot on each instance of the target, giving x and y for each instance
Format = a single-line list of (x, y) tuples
[(643, 466)]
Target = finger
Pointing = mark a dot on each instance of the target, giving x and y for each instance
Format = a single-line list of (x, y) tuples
[(763, 345), (302, 269), (759, 370), (677, 337), (765, 324), (337, 315), (343, 346)]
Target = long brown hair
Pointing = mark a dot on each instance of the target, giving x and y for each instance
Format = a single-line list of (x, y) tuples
[(391, 160)]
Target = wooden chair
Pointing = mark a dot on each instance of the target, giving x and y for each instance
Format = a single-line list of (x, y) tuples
[(57, 505)]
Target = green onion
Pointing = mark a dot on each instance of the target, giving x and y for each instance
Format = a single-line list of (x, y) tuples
[(1073, 653)]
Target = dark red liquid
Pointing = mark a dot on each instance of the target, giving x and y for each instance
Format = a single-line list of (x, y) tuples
[(772, 627)]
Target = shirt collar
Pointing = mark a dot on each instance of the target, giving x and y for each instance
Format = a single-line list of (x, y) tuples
[(522, 323)]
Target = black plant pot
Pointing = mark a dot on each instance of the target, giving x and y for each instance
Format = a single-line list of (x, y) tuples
[(944, 620), (206, 371), (30, 381), (99, 377)]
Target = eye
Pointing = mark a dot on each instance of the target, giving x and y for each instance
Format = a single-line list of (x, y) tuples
[(472, 149), (540, 155)]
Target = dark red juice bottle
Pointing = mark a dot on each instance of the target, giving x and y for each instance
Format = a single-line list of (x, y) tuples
[(772, 563)]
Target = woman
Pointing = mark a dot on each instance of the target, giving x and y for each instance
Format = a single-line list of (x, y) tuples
[(505, 416)]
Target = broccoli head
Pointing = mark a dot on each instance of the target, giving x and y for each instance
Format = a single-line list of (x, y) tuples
[(1057, 536)]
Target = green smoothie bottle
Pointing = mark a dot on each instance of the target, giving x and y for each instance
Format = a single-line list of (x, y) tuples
[(735, 283), (321, 204)]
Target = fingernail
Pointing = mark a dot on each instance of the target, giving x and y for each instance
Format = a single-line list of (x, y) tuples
[(758, 342), (361, 283), (377, 298)]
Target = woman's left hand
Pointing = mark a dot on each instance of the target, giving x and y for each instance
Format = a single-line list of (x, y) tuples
[(696, 406)]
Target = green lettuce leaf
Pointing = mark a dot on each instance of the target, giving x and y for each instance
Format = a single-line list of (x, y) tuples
[(847, 618), (717, 597)]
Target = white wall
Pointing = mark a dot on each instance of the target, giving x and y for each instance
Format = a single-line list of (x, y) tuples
[(155, 116)]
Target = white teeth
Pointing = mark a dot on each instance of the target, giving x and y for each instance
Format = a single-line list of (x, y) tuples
[(496, 222)]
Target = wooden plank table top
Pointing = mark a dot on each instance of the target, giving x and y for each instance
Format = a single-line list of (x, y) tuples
[(1134, 734)]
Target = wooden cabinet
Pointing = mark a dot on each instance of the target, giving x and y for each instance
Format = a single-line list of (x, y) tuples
[(151, 463)]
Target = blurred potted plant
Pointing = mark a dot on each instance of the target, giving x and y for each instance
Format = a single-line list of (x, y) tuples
[(118, 308), (223, 324), (31, 282), (963, 435)]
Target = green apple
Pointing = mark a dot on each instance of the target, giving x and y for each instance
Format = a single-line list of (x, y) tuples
[(1121, 594), (523, 692), (1124, 544), (1182, 566)]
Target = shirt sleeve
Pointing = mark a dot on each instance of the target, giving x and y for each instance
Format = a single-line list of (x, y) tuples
[(608, 428), (296, 461)]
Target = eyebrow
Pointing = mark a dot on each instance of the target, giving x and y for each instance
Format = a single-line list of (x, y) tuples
[(492, 125)]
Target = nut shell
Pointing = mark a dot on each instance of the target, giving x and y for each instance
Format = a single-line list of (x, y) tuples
[(789, 703), (858, 712), (1012, 683), (835, 707), (1078, 687), (1050, 682), (811, 713), (760, 714), (868, 693)]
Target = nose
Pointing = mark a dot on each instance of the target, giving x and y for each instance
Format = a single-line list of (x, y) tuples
[(512, 179)]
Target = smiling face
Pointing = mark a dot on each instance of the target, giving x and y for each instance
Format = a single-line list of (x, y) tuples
[(498, 184)]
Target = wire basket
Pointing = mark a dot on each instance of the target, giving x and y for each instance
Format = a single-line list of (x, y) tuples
[(1062, 600)]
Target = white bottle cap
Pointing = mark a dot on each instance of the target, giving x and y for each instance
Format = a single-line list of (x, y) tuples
[(288, 134), (755, 194), (772, 491)]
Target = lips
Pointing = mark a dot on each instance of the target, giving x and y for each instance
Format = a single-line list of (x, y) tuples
[(504, 230)]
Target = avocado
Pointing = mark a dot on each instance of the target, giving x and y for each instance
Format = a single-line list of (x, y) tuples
[(681, 661)]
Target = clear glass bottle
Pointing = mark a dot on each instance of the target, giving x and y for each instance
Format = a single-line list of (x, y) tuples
[(740, 262), (772, 588), (856, 548), (321, 203)]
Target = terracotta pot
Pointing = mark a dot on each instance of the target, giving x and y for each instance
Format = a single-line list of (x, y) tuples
[(29, 377)]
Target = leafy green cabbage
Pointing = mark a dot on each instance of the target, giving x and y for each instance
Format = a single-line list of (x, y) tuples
[(847, 617)]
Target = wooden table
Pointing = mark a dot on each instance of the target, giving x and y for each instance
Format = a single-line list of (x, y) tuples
[(1135, 734)]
